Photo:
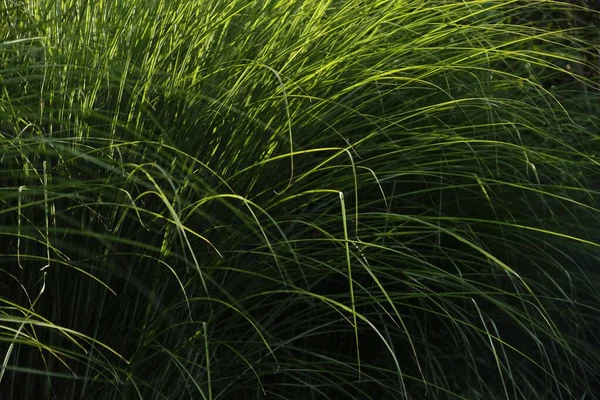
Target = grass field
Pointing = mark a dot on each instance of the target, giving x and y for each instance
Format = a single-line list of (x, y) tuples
[(299, 199)]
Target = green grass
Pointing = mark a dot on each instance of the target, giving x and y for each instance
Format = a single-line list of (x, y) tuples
[(309, 199)]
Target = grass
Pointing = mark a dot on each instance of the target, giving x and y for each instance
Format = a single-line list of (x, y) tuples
[(299, 199)]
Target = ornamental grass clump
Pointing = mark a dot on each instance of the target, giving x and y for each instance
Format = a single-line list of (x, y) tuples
[(299, 199)]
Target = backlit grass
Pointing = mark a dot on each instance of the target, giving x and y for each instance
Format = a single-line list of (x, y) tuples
[(309, 199)]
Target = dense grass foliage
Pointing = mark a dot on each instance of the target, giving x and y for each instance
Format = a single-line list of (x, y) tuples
[(299, 199)]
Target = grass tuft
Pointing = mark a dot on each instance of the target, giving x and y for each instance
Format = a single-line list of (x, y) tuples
[(299, 199)]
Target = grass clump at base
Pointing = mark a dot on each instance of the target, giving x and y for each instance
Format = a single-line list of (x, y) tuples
[(299, 199)]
